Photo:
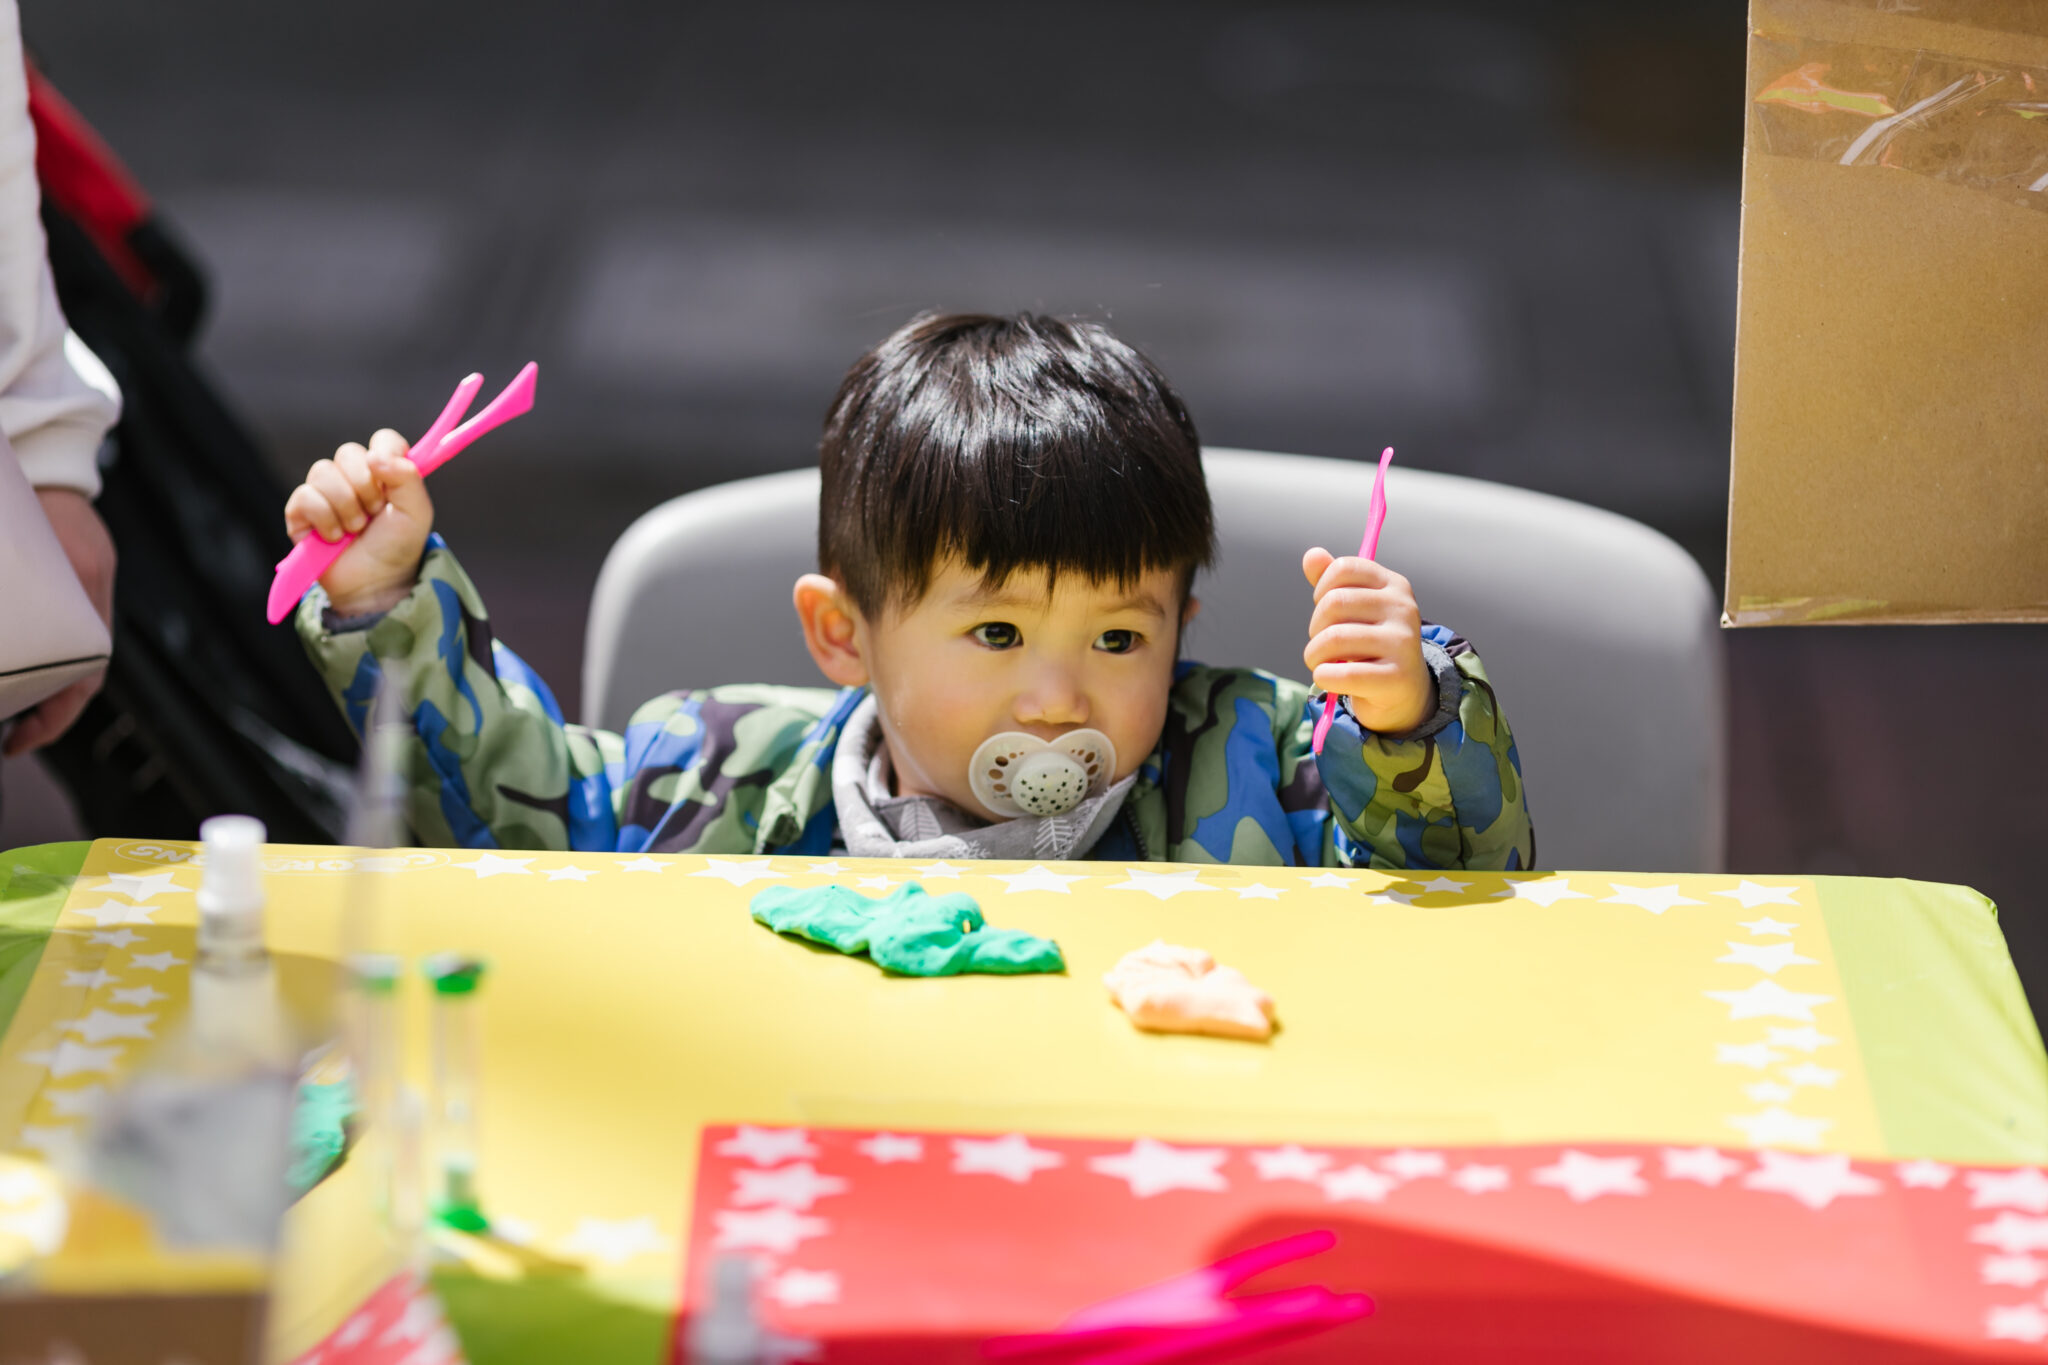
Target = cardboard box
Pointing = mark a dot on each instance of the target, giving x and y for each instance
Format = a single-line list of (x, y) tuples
[(1891, 382)]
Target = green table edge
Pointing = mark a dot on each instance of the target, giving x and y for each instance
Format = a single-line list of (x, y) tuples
[(33, 884), (1953, 1056)]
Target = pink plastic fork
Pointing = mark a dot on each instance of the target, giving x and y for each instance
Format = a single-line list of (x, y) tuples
[(1367, 548), (298, 571), (1188, 1316)]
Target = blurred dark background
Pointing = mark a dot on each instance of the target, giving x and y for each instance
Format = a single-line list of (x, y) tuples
[(1501, 236)]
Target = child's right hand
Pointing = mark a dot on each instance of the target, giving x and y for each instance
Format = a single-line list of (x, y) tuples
[(378, 495)]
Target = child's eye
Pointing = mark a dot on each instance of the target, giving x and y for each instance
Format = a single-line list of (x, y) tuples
[(1117, 641), (997, 635)]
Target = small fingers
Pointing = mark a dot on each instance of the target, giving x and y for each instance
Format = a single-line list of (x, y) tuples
[(326, 479), (1355, 571), (1358, 678), (307, 509), (384, 441), (1314, 563), (354, 463), (1357, 642), (1365, 606)]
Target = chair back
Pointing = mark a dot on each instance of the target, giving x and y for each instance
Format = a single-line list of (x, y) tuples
[(1600, 635)]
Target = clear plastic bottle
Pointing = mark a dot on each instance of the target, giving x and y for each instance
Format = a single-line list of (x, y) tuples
[(198, 1136)]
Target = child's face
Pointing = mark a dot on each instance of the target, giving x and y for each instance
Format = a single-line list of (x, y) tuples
[(973, 658)]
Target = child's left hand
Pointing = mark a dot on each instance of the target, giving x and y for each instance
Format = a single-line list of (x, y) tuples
[(1365, 641)]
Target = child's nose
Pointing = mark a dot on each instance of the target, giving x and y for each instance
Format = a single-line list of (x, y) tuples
[(1053, 698)]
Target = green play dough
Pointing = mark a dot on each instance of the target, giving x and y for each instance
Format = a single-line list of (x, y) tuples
[(319, 1132), (906, 931)]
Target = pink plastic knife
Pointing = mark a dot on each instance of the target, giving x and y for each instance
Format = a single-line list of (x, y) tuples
[(298, 571), (1367, 548)]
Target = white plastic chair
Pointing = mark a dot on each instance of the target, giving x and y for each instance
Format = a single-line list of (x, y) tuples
[(1600, 635)]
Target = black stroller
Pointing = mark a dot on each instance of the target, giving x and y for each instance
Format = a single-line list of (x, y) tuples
[(206, 708)]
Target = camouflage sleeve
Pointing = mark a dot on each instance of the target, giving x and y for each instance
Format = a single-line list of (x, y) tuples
[(494, 765), (1451, 798)]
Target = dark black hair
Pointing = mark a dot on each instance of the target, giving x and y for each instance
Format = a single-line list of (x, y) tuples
[(1023, 442)]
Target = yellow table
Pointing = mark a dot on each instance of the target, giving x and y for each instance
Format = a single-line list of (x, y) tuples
[(631, 1000)]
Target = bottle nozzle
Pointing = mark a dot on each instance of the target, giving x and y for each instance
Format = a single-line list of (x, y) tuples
[(231, 888)]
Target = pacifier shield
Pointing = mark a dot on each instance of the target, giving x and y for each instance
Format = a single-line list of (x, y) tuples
[(1018, 774)]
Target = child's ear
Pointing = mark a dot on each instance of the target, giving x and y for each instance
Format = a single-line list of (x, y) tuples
[(831, 629)]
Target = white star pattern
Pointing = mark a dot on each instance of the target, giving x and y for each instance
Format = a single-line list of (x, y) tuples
[(615, 1241), (1543, 891), (1151, 1168), (118, 938), (738, 871), (1413, 1165), (1753, 1055), (81, 1103), (1765, 927), (1391, 897), (421, 1315), (1752, 895), (1776, 1127), (1804, 1039), (143, 888), (1443, 884), (101, 1025), (643, 863), (156, 962), (1330, 879), (885, 1148), (571, 873), (1655, 899), (116, 912), (942, 868), (830, 868), (1806, 1073), (2021, 1272), (492, 865), (1768, 958), (790, 1187), (1357, 1184), (138, 996), (1290, 1163), (92, 980), (795, 1288), (1163, 885), (778, 1230), (1012, 1157), (1583, 1176), (1703, 1165), (70, 1058), (767, 1146), (1815, 1181), (1257, 891), (2012, 1233), (1768, 1092), (1480, 1179), (1924, 1175), (2015, 1322), (2025, 1188), (1767, 999), (877, 883), (1039, 878)]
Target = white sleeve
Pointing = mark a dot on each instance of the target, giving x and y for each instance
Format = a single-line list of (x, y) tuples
[(56, 398)]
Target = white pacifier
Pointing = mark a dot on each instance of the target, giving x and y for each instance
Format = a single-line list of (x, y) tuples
[(1018, 774)]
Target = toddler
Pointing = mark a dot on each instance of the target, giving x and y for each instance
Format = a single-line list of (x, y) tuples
[(1011, 516)]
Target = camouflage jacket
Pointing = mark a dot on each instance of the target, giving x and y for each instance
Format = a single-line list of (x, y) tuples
[(747, 768)]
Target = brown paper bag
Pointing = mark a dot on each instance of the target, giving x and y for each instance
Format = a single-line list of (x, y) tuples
[(1891, 379)]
